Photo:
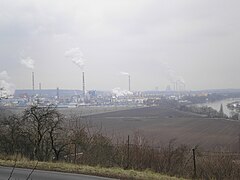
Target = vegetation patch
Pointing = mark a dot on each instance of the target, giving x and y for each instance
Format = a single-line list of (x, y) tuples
[(42, 134), (88, 170)]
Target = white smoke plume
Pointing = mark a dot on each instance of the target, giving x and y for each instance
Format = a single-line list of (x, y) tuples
[(4, 75), (6, 88), (28, 62), (125, 73), (76, 55), (171, 74), (118, 92)]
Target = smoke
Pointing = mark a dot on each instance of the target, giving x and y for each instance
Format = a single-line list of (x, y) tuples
[(177, 80), (118, 92), (125, 73), (6, 88), (171, 74), (28, 62), (76, 55), (4, 75)]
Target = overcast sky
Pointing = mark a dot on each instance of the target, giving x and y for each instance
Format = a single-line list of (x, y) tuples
[(156, 41)]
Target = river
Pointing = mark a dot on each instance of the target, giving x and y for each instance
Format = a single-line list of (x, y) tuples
[(217, 104)]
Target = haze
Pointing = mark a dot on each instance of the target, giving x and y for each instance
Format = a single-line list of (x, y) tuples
[(155, 41)]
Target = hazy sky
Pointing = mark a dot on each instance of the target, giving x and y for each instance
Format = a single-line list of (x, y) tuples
[(156, 41)]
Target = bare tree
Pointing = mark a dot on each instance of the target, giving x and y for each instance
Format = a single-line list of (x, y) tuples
[(58, 136), (39, 122), (11, 136)]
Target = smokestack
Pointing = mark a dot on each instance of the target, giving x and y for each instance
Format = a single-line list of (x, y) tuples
[(174, 86), (84, 91), (40, 89), (57, 93), (129, 82), (33, 81)]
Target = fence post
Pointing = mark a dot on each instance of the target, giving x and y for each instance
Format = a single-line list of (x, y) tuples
[(75, 153), (128, 152), (194, 164), (239, 143)]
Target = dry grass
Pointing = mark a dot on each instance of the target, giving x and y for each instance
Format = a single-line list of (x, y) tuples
[(80, 169)]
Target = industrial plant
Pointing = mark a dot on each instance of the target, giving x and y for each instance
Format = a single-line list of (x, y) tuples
[(64, 98)]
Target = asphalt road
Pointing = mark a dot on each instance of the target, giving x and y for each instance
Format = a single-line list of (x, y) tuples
[(22, 174)]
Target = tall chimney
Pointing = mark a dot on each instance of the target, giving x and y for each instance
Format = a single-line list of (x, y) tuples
[(129, 82), (174, 88), (57, 92), (84, 90), (40, 86), (33, 81), (40, 89), (184, 87)]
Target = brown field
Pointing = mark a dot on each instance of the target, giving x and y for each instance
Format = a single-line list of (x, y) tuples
[(161, 124), (91, 110)]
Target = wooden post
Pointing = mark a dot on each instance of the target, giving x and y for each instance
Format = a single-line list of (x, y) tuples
[(75, 153), (128, 151), (194, 164), (239, 143)]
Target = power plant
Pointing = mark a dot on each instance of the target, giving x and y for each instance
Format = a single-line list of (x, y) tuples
[(75, 98)]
